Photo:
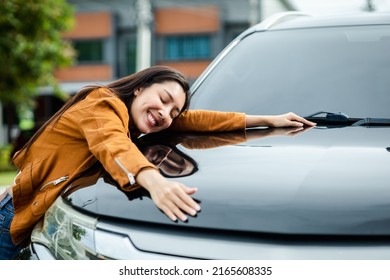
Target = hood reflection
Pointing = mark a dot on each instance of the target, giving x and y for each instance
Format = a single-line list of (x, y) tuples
[(170, 160), (163, 150)]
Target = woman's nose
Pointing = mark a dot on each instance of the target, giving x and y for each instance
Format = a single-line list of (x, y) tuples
[(163, 114)]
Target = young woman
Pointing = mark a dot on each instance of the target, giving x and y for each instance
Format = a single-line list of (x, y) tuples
[(97, 124)]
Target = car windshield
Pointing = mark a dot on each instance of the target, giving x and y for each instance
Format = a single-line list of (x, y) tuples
[(335, 69)]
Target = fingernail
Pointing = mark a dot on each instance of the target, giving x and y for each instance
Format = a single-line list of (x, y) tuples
[(197, 207)]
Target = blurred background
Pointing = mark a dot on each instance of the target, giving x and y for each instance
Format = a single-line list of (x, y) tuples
[(50, 49)]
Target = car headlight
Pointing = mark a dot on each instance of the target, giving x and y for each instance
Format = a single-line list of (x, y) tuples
[(65, 233), (68, 234)]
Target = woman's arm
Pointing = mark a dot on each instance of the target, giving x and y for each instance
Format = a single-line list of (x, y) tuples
[(206, 120), (285, 120)]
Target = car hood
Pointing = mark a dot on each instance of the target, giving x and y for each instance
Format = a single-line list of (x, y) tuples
[(324, 181)]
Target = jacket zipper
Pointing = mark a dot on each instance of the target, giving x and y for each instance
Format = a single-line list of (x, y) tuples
[(129, 174), (54, 182)]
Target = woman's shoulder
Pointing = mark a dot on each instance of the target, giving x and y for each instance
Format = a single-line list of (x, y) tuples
[(99, 99), (102, 95), (102, 92)]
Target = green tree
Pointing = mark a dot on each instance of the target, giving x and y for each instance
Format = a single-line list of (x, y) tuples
[(31, 47)]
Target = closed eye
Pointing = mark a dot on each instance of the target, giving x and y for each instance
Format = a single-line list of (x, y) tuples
[(163, 100)]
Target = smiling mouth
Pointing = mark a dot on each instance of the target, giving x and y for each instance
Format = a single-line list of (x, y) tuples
[(153, 122)]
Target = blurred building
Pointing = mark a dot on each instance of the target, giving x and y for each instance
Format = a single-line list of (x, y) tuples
[(118, 37), (114, 38)]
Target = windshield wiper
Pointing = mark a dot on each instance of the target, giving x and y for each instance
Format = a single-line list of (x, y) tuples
[(338, 119), (333, 118), (372, 122)]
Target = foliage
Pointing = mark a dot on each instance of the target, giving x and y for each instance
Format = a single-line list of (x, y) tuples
[(31, 47), (5, 158)]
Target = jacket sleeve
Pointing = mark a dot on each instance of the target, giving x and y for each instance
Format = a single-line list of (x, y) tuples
[(205, 120), (105, 128)]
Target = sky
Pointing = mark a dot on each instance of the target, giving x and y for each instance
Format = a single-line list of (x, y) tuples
[(338, 6)]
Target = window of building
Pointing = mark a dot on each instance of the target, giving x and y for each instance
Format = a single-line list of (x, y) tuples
[(89, 50), (131, 52), (187, 47)]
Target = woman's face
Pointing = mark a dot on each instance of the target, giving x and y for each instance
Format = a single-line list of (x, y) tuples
[(154, 107)]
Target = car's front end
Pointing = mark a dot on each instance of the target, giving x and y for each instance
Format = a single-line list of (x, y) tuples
[(271, 196)]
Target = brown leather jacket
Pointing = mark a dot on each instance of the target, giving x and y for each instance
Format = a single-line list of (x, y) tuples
[(96, 128)]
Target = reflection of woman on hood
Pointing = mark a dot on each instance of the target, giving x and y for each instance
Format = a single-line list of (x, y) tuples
[(161, 149), (170, 160)]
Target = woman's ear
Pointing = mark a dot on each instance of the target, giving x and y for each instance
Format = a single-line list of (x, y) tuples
[(138, 91)]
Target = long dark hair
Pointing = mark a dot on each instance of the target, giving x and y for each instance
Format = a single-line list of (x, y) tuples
[(124, 88)]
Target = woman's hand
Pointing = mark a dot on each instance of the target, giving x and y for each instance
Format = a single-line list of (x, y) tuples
[(289, 120), (173, 198), (285, 120)]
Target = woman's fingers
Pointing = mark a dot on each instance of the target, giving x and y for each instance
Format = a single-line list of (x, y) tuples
[(296, 124), (298, 120), (190, 191), (173, 198), (188, 199), (183, 202), (173, 212), (176, 209), (289, 120), (176, 202), (186, 204)]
